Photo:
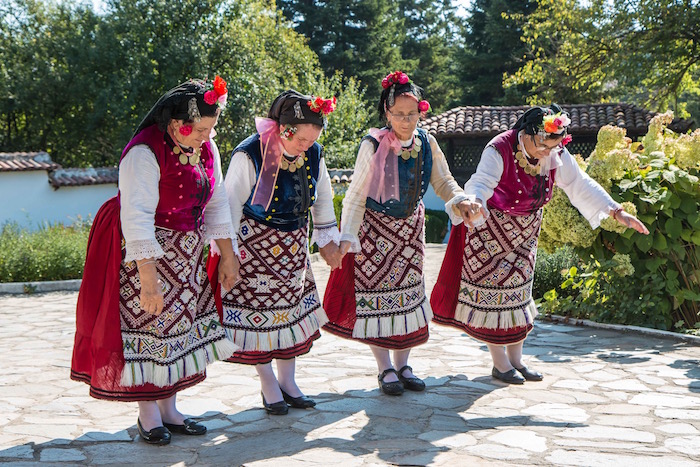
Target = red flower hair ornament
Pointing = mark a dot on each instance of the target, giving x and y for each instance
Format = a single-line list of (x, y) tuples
[(321, 105), (218, 92), (397, 77)]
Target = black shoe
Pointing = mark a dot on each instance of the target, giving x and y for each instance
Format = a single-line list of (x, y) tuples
[(413, 383), (530, 375), (395, 388), (189, 427), (509, 376), (159, 435), (301, 402), (277, 408)]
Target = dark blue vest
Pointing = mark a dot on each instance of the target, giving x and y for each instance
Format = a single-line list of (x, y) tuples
[(414, 177), (294, 193)]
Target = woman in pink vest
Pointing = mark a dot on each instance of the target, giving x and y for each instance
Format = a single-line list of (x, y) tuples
[(147, 324), (491, 299)]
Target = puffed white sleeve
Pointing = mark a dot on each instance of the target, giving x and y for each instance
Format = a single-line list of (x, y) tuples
[(323, 213), (591, 199), (139, 176), (486, 178), (356, 197), (217, 216)]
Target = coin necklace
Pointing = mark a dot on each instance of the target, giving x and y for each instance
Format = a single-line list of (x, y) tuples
[(184, 157), (293, 165), (412, 151), (521, 159)]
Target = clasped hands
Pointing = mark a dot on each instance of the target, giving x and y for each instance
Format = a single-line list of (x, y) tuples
[(333, 253)]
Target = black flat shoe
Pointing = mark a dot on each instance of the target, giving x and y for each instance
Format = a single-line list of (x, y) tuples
[(159, 435), (301, 402), (395, 388), (277, 408), (413, 383), (510, 376), (530, 375), (189, 427)]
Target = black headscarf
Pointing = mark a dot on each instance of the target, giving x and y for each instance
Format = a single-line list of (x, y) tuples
[(532, 120), (390, 94), (175, 105), (292, 107)]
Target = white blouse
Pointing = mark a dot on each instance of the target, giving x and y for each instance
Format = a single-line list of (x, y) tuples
[(354, 203), (139, 176), (240, 182), (592, 201)]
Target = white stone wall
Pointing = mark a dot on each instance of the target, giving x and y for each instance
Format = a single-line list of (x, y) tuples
[(28, 199)]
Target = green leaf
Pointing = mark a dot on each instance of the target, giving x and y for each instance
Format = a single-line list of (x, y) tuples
[(673, 227), (653, 174), (658, 163), (695, 238), (626, 184), (660, 242), (689, 206), (644, 242), (669, 176), (686, 234), (654, 263)]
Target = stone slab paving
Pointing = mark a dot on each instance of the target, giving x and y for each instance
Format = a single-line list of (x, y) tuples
[(609, 398)]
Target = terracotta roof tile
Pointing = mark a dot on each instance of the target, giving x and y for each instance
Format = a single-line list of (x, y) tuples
[(79, 177), (585, 118), (26, 161)]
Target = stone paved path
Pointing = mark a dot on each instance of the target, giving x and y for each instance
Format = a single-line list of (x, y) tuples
[(608, 399)]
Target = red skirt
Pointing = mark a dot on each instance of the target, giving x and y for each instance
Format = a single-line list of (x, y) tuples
[(491, 300), (378, 296), (126, 354), (274, 311)]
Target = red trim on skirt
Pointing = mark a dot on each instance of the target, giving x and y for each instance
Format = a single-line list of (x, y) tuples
[(261, 358), (145, 392), (490, 336), (339, 305)]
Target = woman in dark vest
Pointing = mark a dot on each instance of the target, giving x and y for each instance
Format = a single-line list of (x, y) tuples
[(491, 300), (378, 297), (146, 319), (275, 179)]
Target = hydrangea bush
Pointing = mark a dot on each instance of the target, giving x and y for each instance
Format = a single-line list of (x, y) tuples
[(627, 277)]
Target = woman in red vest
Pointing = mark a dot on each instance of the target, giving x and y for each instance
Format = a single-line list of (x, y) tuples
[(491, 299), (147, 325)]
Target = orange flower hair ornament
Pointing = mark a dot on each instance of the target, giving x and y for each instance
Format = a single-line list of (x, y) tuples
[(555, 123), (218, 92)]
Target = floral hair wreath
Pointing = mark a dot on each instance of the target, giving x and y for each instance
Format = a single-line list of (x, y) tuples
[(321, 105), (556, 124), (399, 77)]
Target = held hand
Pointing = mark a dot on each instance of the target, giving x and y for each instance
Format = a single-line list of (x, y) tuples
[(151, 297), (229, 272), (472, 212), (628, 220), (331, 253), (344, 247)]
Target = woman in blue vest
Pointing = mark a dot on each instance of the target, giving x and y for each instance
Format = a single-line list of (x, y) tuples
[(378, 297), (275, 178)]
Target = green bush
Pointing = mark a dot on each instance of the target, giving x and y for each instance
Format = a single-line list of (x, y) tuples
[(648, 280), (54, 252), (550, 268), (435, 225)]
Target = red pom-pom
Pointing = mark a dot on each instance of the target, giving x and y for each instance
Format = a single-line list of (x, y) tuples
[(210, 97), (185, 130)]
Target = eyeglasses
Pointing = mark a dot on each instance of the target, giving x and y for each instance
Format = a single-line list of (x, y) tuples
[(412, 117), (544, 147)]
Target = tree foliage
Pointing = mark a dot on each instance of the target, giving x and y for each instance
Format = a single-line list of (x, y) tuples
[(492, 49), (76, 83), (644, 51)]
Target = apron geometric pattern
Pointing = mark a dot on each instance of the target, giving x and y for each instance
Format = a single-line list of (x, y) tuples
[(187, 335), (275, 306)]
